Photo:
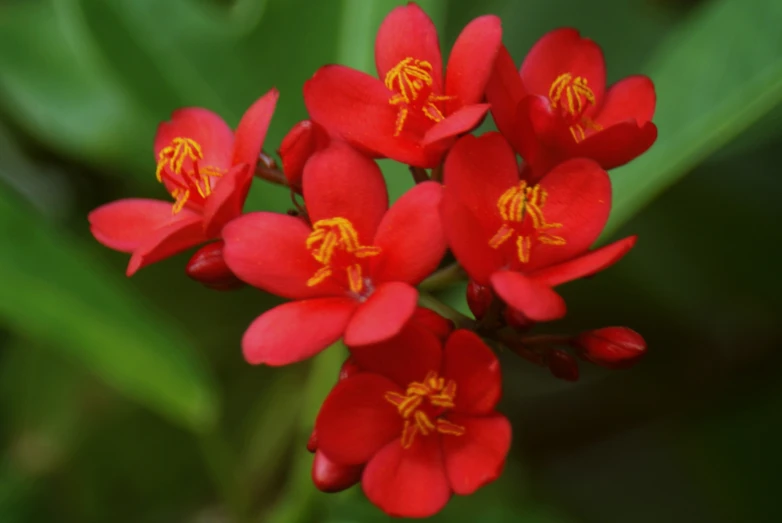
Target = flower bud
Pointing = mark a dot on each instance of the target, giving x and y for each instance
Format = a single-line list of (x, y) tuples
[(562, 365), (208, 267), (479, 298), (611, 347), (329, 476), (312, 443), (517, 320), (301, 142), (348, 369), (428, 319)]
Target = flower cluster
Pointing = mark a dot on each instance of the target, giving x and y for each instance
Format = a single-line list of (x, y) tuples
[(412, 416)]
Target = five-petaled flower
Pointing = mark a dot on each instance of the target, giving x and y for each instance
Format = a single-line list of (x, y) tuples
[(411, 115), (206, 169), (557, 107), (352, 271), (523, 237), (421, 417)]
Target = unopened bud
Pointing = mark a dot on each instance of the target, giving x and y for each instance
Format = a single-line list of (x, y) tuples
[(611, 347), (479, 298), (208, 267), (348, 369), (517, 320), (301, 142), (329, 476), (430, 320), (312, 443), (562, 365)]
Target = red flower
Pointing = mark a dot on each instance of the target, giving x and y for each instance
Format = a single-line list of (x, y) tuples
[(205, 169), (520, 237), (558, 107), (352, 271), (422, 419), (411, 115)]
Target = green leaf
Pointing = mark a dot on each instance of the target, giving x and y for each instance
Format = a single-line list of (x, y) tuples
[(55, 85), (57, 293), (713, 82)]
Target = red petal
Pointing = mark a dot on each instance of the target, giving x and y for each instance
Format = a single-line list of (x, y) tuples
[(408, 482), (476, 371), (504, 91), (468, 240), (563, 51), (407, 32), (252, 128), (383, 315), (632, 97), (341, 182), (227, 200), (617, 144), (438, 325), (465, 119), (477, 457), (301, 142), (539, 135), (206, 128), (125, 224), (330, 476), (410, 236), (356, 420), (405, 358), (586, 265), (471, 60), (269, 251), (579, 200), (167, 241), (535, 300), (478, 171), (355, 106), (295, 331)]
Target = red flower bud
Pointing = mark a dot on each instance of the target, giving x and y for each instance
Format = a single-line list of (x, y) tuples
[(479, 298), (517, 319), (611, 347), (301, 142), (562, 365), (348, 369), (427, 318), (329, 476), (208, 267), (312, 443)]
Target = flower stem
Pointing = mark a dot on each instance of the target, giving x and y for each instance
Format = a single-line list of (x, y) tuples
[(462, 322), (419, 175), (443, 278)]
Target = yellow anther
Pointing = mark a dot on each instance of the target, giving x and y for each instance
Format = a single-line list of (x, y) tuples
[(408, 79), (417, 416), (574, 96), (516, 204), (197, 180), (331, 236), (578, 96)]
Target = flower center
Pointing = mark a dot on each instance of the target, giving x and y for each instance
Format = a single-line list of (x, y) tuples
[(573, 97), (424, 402), (334, 243), (179, 169), (521, 209), (412, 82)]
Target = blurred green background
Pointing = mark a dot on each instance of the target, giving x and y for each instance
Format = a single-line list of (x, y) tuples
[(129, 401)]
